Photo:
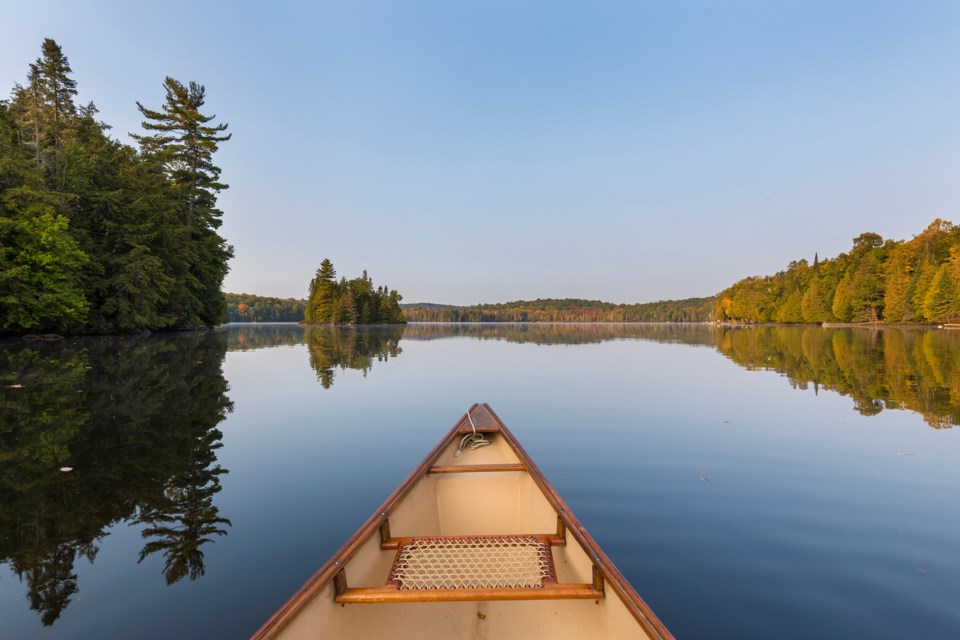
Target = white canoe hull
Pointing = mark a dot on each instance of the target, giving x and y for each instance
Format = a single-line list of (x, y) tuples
[(495, 490)]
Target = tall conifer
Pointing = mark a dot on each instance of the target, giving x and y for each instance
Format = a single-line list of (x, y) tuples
[(59, 90), (184, 143)]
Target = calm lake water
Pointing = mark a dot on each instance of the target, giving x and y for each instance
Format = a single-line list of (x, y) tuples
[(762, 482)]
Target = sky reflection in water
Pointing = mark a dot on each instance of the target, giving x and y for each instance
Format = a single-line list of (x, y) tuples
[(710, 481)]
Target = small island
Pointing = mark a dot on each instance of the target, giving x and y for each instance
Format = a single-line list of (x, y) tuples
[(350, 302)]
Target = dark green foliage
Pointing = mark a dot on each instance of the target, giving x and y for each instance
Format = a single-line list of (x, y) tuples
[(94, 236), (566, 310), (184, 144), (877, 281), (322, 295), (245, 307), (39, 286), (350, 301)]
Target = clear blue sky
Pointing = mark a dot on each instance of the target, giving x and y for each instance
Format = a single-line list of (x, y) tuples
[(489, 151)]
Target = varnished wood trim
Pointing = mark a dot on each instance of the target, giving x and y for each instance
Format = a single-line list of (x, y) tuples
[(340, 581), (389, 593), (631, 599), (476, 468), (384, 531), (319, 580), (598, 582), (392, 544), (484, 429)]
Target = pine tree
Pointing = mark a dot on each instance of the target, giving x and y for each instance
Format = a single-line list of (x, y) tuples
[(59, 90), (348, 307), (323, 289), (28, 109), (184, 143)]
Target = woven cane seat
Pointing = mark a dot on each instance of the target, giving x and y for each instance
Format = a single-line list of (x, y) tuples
[(473, 562)]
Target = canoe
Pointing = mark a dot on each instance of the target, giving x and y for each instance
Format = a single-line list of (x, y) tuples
[(474, 544)]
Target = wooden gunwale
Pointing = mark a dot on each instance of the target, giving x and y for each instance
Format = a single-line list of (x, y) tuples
[(631, 599), (323, 575), (602, 564)]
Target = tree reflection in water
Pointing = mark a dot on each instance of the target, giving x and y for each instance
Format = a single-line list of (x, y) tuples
[(99, 431), (135, 419), (879, 368), (350, 348)]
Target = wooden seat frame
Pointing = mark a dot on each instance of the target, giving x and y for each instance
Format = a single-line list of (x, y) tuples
[(391, 592)]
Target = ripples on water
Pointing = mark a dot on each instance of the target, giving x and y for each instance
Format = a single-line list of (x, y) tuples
[(737, 506)]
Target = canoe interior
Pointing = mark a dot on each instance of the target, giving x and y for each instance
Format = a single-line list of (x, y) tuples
[(503, 501)]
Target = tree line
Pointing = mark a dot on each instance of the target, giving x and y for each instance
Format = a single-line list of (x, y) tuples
[(98, 236), (350, 301), (245, 307), (913, 281), (566, 310)]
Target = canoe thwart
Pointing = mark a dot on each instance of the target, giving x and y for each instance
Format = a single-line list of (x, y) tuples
[(388, 543), (476, 468)]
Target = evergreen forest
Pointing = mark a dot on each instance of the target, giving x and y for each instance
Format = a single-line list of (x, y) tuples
[(350, 301), (913, 281), (97, 236)]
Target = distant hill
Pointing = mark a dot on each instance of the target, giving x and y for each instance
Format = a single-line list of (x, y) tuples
[(565, 310), (427, 305)]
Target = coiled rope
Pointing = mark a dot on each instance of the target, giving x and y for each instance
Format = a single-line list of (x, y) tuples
[(471, 441)]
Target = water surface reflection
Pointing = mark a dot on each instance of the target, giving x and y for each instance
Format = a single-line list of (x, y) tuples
[(105, 430), (885, 368)]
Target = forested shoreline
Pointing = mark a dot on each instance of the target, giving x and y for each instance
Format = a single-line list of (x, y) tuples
[(97, 236), (566, 310), (246, 307), (913, 281)]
